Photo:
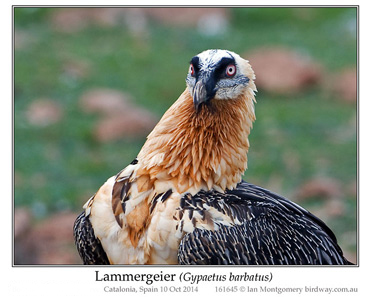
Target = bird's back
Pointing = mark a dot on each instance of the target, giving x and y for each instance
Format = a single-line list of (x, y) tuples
[(269, 230)]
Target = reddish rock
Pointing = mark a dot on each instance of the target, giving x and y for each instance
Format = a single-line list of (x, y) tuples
[(44, 112), (56, 228), (344, 85), (23, 39), (350, 256), (48, 242), (184, 16), (77, 68), (70, 20), (348, 241), (105, 101), (283, 71), (213, 24), (22, 222), (319, 187), (134, 122), (120, 117), (335, 207), (351, 189), (18, 178)]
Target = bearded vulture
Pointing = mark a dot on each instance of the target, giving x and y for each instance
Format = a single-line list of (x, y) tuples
[(183, 200)]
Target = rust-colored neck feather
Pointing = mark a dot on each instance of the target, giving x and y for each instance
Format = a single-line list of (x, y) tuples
[(199, 150)]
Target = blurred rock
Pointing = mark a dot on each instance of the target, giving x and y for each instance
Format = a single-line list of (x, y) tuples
[(133, 123), (283, 71), (120, 118), (329, 191), (23, 39), (136, 21), (350, 256), (104, 101), (77, 68), (18, 179), (330, 209), (325, 188), (213, 24), (22, 222), (48, 242), (187, 16), (304, 14), (335, 207), (349, 241), (19, 39), (212, 20), (43, 112), (106, 16), (351, 189), (344, 85), (56, 228), (70, 20)]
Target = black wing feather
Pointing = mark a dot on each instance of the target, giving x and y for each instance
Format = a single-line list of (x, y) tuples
[(88, 246), (274, 231)]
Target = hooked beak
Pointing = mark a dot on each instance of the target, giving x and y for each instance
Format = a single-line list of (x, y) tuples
[(203, 91)]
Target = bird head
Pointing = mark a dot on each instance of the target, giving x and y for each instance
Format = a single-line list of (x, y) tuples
[(201, 142), (218, 74)]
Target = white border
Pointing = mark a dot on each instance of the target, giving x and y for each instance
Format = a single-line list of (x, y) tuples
[(73, 281)]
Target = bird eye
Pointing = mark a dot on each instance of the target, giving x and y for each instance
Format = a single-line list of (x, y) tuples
[(191, 70), (230, 70)]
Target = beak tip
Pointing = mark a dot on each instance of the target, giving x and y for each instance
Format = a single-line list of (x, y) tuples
[(199, 95)]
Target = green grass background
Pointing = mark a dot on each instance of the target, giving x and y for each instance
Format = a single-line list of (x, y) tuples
[(60, 165)]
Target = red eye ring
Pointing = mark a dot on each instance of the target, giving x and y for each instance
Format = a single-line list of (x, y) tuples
[(230, 70), (191, 70)]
